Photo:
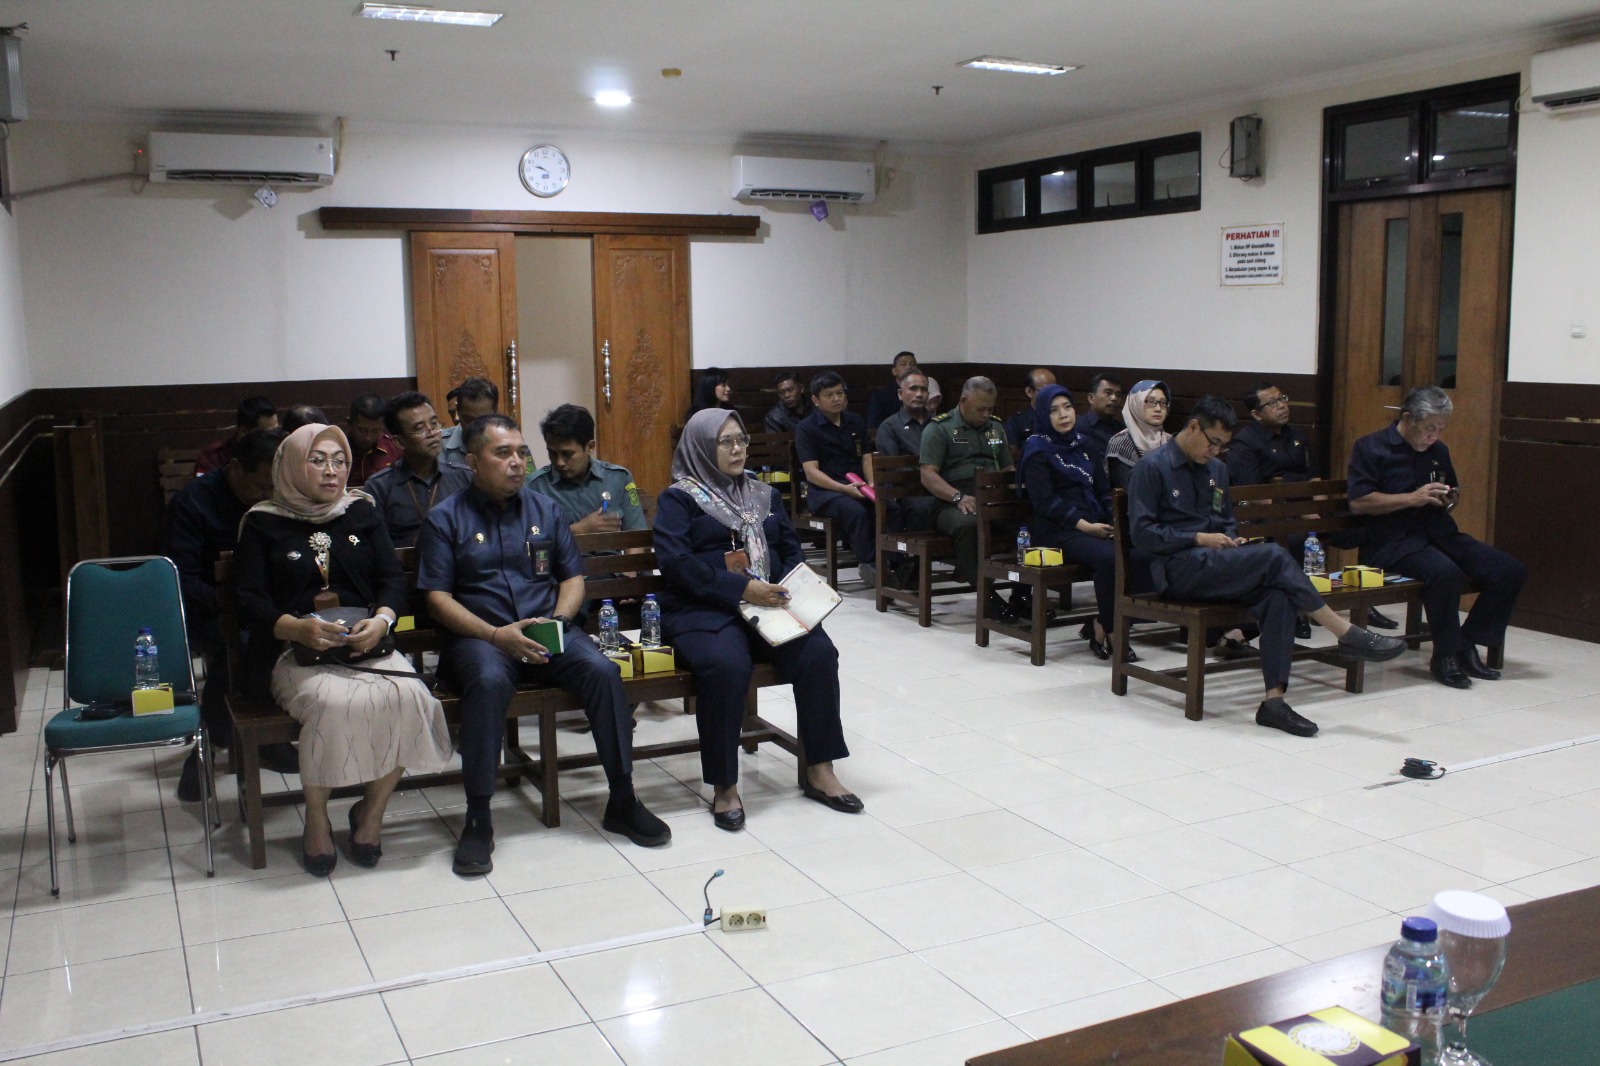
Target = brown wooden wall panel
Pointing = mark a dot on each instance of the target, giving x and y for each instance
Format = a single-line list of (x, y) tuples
[(27, 541)]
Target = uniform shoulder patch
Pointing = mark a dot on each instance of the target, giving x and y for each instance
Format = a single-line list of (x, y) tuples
[(943, 417)]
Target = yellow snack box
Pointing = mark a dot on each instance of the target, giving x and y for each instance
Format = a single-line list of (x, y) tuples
[(156, 700), (1331, 1037), (624, 660), (1364, 577), (652, 660), (1042, 557), (1320, 582)]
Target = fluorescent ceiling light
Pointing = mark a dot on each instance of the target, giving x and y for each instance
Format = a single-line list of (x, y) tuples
[(612, 98), (416, 13), (1014, 66)]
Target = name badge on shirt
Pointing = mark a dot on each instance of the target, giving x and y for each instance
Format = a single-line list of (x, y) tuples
[(541, 562), (1216, 501)]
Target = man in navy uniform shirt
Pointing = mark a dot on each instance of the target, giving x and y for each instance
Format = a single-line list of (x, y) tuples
[(1103, 419), (1402, 480), (792, 405), (495, 558), (1021, 426), (885, 401), (407, 490), (829, 443), (1179, 512)]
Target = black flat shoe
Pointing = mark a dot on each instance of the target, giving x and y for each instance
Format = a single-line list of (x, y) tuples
[(1130, 656), (1232, 648), (629, 817), (1473, 666), (473, 850), (1277, 714), (366, 855), (1101, 650), (318, 865), (1447, 671), (846, 803), (731, 819)]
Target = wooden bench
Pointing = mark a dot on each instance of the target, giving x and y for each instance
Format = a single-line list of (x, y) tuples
[(175, 468), (1001, 509), (257, 721), (899, 477), (1278, 511)]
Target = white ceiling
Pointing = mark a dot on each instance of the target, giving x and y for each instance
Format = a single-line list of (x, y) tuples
[(847, 69)]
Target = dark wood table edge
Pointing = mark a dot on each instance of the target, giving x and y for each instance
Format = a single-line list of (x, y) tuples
[(1555, 943)]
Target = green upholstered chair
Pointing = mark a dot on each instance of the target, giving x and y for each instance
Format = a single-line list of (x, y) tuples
[(108, 600)]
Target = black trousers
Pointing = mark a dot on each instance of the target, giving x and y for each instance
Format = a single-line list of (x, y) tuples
[(1263, 577), (1098, 555), (854, 518), (486, 677), (722, 663), (1444, 570)]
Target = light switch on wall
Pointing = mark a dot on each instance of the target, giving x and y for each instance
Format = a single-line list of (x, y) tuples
[(1579, 330)]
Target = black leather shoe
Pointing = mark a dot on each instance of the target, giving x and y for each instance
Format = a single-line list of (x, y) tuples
[(189, 779), (731, 819), (630, 818), (1232, 648), (1277, 714), (318, 865), (1468, 660), (1447, 671), (1369, 647), (1376, 619), (280, 758), (473, 850), (997, 609), (1129, 655), (1302, 628), (366, 855), (846, 803), (1101, 650)]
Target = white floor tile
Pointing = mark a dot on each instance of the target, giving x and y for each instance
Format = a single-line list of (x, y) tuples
[(1014, 784), (404, 883), (1336, 942), (1195, 797), (1092, 1010), (573, 915), (1180, 857), (866, 861), (50, 1004), (1163, 935), (762, 879), (878, 1005), (1096, 817), (1282, 904), (1567, 822), (350, 1032), (730, 1030), (440, 938), (248, 908), (230, 973), (912, 802), (471, 1011), (1068, 882), (174, 1048), (805, 939), (1230, 972), (72, 936), (1388, 875), (1027, 969), (1287, 778), (938, 910), (1490, 851), (1285, 834), (977, 840), (643, 977), (956, 1047), (581, 1045), (1383, 813)]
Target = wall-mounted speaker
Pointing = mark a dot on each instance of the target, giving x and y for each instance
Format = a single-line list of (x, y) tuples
[(1244, 158), (13, 106)]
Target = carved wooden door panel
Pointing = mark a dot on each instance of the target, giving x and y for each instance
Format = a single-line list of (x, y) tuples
[(641, 339), (464, 312)]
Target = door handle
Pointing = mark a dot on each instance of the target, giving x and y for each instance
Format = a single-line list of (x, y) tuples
[(605, 357), (511, 381)]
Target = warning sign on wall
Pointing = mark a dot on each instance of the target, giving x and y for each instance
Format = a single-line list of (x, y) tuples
[(1253, 254)]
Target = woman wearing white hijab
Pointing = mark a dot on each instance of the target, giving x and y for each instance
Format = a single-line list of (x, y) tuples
[(721, 539), (316, 537), (1144, 414)]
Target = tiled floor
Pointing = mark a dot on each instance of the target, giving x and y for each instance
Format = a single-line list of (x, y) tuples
[(1036, 855)]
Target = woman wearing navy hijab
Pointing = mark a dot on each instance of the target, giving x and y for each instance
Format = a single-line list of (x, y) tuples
[(1071, 503)]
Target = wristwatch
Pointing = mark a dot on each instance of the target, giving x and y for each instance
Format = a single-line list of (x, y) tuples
[(958, 497), (563, 619)]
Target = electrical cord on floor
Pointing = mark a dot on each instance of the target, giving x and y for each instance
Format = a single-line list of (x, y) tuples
[(1422, 769), (706, 893)]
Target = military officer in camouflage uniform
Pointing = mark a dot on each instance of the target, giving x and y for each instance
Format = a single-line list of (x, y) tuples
[(596, 496), (955, 447)]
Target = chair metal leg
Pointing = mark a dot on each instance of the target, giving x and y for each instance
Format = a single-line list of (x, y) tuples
[(208, 798), (66, 796), (50, 819)]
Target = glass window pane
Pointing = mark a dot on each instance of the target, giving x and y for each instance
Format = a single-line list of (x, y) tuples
[(1115, 184), (1058, 192), (1378, 149), (1010, 199), (1449, 330), (1478, 135), (1176, 176), (1396, 241)]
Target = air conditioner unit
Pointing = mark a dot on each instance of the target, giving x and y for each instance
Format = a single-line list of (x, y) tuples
[(1566, 79), (240, 159), (758, 177)]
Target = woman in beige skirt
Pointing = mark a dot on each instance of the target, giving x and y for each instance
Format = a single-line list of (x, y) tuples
[(315, 540)]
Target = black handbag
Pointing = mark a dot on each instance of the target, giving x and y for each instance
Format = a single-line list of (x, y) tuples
[(348, 617)]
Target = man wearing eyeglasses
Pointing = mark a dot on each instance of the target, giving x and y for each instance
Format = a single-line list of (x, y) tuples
[(417, 482), (1179, 512)]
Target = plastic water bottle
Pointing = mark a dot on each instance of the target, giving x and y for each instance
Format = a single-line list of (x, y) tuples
[(146, 660), (1416, 986), (766, 475), (609, 636), (1316, 560), (1024, 542), (650, 622)]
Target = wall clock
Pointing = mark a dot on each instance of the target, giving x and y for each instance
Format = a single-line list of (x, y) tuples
[(544, 170)]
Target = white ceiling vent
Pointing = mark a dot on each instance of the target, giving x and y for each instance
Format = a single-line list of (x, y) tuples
[(241, 159), (758, 177)]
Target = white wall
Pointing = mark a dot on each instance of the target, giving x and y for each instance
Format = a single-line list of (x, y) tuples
[(127, 285), (1555, 265), (14, 376), (1145, 292)]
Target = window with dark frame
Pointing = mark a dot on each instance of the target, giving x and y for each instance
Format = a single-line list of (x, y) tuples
[(1124, 181)]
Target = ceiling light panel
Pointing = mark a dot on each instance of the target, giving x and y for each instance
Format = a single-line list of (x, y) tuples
[(1014, 66), (441, 16), (612, 98)]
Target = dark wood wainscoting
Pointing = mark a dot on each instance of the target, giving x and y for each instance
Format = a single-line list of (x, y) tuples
[(27, 542), (1546, 509)]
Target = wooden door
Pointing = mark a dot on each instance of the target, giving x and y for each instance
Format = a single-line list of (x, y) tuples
[(464, 312), (641, 340), (1423, 298)]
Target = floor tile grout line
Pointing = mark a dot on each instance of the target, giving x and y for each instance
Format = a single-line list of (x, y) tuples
[(351, 992)]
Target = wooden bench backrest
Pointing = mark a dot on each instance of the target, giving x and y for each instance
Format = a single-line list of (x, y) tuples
[(1001, 509), (893, 477), (775, 451), (175, 468)]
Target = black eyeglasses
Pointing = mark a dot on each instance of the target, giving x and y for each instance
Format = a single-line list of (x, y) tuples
[(1216, 447)]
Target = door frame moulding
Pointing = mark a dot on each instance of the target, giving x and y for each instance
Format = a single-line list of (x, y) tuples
[(575, 223)]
